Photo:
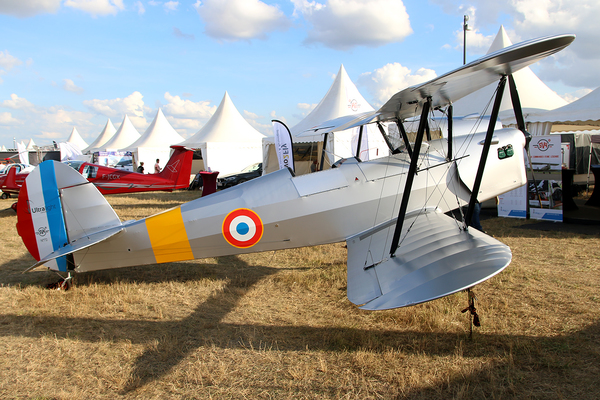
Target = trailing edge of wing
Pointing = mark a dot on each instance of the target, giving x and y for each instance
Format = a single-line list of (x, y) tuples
[(435, 259), (340, 123)]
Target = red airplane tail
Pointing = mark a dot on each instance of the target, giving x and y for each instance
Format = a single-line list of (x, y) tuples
[(10, 183), (179, 167)]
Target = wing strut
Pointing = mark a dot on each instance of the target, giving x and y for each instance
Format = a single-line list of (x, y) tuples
[(410, 176), (485, 151), (516, 103), (360, 135), (450, 128), (387, 140), (404, 137), (323, 151)]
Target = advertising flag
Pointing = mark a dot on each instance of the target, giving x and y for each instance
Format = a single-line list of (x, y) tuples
[(283, 145)]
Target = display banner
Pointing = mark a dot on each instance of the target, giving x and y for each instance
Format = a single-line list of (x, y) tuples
[(546, 152), (545, 193), (513, 204), (283, 145)]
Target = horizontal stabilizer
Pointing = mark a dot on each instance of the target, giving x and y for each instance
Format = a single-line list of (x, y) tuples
[(77, 245), (435, 259)]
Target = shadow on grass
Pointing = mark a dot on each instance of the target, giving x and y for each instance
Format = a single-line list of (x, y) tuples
[(168, 343)]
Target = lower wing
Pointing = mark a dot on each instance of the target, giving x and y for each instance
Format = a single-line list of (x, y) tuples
[(436, 258)]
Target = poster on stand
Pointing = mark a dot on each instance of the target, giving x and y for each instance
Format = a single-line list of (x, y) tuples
[(545, 191), (513, 204)]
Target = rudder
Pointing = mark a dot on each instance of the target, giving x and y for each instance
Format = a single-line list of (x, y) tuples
[(179, 167)]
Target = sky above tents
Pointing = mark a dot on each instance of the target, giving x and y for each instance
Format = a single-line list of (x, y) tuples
[(68, 64)]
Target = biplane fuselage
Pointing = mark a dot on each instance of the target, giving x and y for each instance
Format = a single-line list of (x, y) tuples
[(280, 211)]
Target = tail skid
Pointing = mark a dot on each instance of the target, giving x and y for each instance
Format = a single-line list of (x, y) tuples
[(60, 212)]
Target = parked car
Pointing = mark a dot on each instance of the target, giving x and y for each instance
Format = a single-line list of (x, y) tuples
[(250, 172)]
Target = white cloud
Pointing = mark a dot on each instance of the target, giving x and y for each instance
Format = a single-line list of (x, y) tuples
[(132, 105), (182, 35), (384, 82), (96, 7), (7, 61), (576, 95), (251, 115), (70, 86), (28, 8), (6, 118), (180, 108), (140, 7), (187, 115), (17, 103), (477, 43), (343, 24), (575, 66), (171, 6), (240, 19)]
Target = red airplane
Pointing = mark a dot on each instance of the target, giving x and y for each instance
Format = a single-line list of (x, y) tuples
[(12, 179), (175, 175)]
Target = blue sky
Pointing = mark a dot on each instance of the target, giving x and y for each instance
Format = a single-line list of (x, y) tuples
[(75, 63)]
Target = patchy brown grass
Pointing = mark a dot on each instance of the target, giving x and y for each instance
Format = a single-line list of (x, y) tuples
[(278, 325)]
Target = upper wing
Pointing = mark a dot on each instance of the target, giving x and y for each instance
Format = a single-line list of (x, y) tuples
[(456, 84), (434, 260)]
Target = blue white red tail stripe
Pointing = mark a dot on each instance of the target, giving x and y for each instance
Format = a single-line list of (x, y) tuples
[(46, 214)]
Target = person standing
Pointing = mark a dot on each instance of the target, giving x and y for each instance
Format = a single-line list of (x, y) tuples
[(157, 167), (140, 168)]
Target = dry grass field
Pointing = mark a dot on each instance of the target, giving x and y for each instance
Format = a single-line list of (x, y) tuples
[(279, 326)]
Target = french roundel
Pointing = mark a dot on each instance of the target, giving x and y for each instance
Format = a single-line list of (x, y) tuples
[(242, 228)]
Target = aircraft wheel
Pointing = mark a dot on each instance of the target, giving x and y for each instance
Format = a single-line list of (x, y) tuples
[(5, 196)]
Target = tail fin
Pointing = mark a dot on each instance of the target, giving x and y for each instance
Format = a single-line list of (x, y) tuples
[(58, 207), (10, 183), (179, 167)]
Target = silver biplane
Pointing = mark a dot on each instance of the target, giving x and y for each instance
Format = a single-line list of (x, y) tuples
[(402, 247)]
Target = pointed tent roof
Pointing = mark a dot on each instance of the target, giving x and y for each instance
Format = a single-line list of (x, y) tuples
[(533, 93), (125, 135), (77, 140), (225, 125), (159, 134), (107, 133), (342, 98), (31, 144)]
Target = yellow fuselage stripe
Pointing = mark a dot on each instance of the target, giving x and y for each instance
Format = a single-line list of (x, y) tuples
[(168, 237)]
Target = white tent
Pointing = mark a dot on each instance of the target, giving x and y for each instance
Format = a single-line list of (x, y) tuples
[(580, 115), (77, 140), (155, 142), (31, 145), (107, 133), (227, 141), (533, 93), (125, 136), (342, 98)]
